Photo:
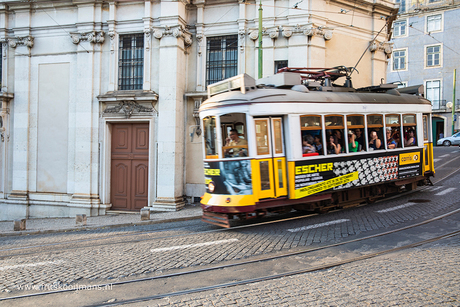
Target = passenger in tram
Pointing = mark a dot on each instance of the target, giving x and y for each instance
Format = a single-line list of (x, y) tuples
[(375, 142), (359, 139), (410, 138), (307, 143), (391, 142), (397, 138), (333, 146), (352, 143), (338, 135), (235, 141), (318, 144)]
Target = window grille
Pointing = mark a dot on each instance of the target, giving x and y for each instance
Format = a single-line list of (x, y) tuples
[(222, 58), (131, 62)]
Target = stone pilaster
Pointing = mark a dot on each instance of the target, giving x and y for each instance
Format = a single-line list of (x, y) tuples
[(21, 127)]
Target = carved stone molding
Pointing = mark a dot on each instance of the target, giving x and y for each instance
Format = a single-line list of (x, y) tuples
[(254, 34), (147, 34), (128, 108), (385, 47), (27, 41), (311, 30), (4, 42), (176, 31), (112, 36), (241, 39), (199, 39), (287, 31), (274, 32), (94, 37)]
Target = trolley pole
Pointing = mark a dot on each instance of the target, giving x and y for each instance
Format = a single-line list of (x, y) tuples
[(453, 102), (260, 41)]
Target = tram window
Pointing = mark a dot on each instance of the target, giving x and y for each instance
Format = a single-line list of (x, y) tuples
[(261, 126), (409, 130), (375, 132), (312, 137), (393, 131), (210, 137), (355, 124), (334, 134), (277, 135), (234, 133)]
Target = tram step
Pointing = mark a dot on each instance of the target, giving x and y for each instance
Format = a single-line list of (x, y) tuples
[(217, 219)]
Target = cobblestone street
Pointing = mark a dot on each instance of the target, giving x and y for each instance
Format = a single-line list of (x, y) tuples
[(424, 276)]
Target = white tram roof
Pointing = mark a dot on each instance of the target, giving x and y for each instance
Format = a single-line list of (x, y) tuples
[(290, 97)]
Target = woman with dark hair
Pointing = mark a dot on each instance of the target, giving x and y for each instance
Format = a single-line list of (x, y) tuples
[(333, 146), (375, 142), (391, 143), (410, 138)]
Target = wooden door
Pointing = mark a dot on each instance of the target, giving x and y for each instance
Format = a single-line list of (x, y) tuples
[(129, 169)]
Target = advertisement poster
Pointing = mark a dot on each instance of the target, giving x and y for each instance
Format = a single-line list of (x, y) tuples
[(229, 177), (319, 175)]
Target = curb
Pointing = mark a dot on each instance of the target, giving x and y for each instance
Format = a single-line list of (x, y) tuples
[(84, 228)]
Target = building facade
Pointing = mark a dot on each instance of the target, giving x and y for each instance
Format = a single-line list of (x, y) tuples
[(100, 98), (425, 51)]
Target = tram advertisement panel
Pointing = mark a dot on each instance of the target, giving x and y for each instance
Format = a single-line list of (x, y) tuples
[(315, 176), (229, 177)]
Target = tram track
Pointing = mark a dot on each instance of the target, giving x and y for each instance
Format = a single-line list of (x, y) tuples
[(124, 238), (258, 260)]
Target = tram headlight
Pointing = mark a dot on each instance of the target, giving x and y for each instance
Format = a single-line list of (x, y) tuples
[(211, 186)]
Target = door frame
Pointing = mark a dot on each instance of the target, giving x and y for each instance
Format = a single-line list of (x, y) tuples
[(105, 156)]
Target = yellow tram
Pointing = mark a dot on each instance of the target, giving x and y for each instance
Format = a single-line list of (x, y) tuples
[(297, 140)]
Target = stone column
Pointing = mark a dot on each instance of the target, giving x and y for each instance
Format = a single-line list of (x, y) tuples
[(21, 114)]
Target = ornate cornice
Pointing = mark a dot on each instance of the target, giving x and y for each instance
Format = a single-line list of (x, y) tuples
[(94, 37), (27, 41), (128, 108)]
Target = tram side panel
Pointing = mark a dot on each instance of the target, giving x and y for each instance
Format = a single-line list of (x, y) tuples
[(314, 176)]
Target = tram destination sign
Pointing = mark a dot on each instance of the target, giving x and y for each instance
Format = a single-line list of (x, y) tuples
[(318, 175)]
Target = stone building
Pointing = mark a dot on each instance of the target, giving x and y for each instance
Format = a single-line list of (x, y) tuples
[(99, 98), (424, 52)]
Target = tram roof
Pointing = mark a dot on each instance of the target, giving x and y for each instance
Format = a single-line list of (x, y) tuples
[(277, 95)]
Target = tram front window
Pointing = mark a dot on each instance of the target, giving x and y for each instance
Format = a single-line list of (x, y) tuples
[(235, 142)]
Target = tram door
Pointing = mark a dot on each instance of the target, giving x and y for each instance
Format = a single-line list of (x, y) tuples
[(269, 167), (428, 164)]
